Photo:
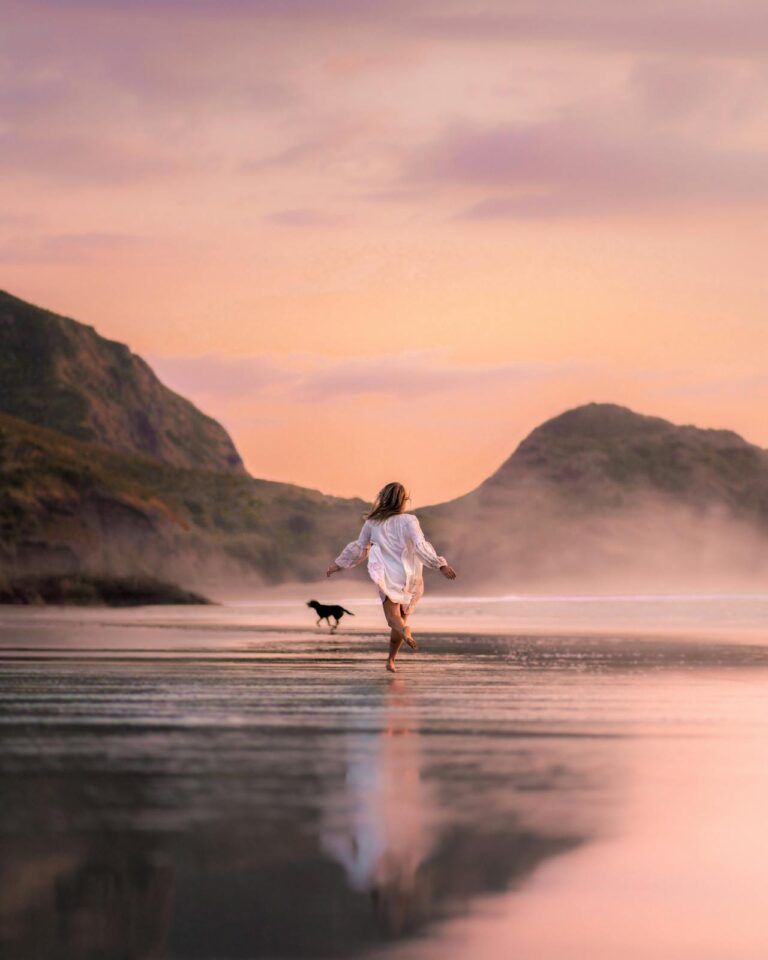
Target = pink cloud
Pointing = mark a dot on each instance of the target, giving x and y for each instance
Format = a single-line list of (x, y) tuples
[(213, 374), (574, 166), (725, 28), (83, 157), (303, 217), (66, 247), (312, 378)]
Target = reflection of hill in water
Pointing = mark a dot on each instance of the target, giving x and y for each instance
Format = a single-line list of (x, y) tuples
[(248, 893), (191, 810), (112, 900), (73, 884), (256, 883), (305, 907)]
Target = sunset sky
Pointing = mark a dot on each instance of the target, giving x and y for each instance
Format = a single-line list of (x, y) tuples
[(382, 239)]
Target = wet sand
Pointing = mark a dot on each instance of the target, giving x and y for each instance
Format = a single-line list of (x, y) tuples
[(205, 784)]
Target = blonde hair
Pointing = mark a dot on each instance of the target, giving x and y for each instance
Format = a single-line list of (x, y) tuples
[(390, 500)]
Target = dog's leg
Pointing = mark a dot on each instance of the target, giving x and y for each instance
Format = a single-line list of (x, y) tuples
[(335, 625), (318, 621)]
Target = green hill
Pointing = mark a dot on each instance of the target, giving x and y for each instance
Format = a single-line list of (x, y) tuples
[(60, 374), (67, 505), (604, 453), (104, 470), (601, 494)]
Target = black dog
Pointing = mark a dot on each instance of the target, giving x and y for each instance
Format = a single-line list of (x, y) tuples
[(325, 610)]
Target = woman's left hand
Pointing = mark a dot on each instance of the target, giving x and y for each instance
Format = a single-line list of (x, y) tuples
[(334, 568)]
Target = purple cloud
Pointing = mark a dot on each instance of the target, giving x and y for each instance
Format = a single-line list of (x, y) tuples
[(214, 374), (128, 103), (418, 375), (178, 87), (88, 157), (65, 247), (277, 9), (726, 28), (578, 166), (313, 378), (720, 28), (303, 217)]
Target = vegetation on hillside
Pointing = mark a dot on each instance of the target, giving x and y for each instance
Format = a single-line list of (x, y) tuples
[(61, 374), (607, 455), (69, 505), (602, 495)]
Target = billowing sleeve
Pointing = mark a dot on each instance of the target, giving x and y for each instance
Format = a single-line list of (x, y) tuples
[(355, 552), (424, 549)]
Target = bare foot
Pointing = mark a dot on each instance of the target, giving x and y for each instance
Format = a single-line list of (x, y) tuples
[(391, 666), (411, 641)]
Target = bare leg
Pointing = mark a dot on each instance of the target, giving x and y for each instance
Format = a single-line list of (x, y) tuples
[(395, 642), (399, 631), (409, 639)]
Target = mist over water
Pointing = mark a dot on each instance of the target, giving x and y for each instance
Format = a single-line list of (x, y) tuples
[(599, 541), (540, 780)]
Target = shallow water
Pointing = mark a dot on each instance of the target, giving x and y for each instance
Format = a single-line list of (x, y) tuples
[(196, 783)]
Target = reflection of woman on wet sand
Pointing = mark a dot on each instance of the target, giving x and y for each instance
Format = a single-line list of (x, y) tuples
[(379, 825), (396, 550)]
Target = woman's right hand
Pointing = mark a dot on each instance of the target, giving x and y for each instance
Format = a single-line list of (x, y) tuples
[(448, 572)]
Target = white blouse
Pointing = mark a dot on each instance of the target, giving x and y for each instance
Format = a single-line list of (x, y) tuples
[(396, 551)]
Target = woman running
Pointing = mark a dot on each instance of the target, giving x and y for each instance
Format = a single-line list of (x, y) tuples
[(396, 550)]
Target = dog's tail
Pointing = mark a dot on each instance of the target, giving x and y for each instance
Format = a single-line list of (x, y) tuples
[(348, 611)]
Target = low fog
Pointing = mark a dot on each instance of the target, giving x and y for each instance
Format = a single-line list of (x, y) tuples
[(544, 542), (528, 540)]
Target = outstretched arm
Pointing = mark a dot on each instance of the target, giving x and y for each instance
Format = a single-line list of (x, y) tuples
[(427, 553), (354, 553)]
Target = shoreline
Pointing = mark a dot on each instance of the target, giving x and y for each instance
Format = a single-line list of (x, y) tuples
[(49, 616), (65, 591)]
